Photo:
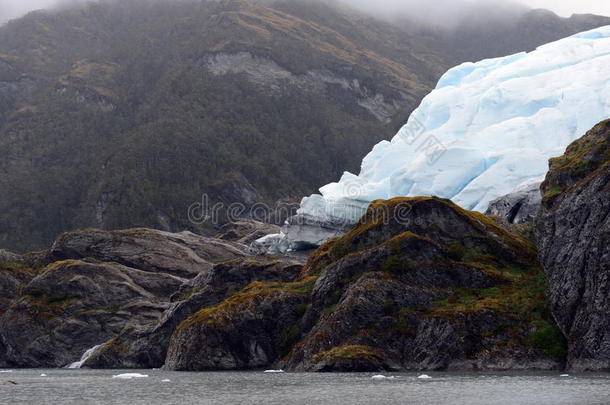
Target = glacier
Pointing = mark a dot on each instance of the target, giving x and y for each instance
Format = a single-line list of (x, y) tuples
[(487, 129)]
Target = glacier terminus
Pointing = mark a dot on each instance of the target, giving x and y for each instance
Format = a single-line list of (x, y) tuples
[(487, 129)]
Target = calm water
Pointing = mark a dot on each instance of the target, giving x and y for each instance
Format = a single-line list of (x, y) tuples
[(98, 386)]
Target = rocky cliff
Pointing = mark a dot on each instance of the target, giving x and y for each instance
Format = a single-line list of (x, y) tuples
[(419, 284), (91, 285), (573, 233)]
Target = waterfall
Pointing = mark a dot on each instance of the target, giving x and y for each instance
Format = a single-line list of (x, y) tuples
[(84, 357)]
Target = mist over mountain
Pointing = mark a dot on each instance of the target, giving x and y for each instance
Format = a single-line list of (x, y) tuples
[(118, 114), (445, 14)]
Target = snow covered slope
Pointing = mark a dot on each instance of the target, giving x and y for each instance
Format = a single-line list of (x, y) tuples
[(487, 128)]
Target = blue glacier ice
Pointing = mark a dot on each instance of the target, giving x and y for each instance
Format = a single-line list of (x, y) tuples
[(487, 129)]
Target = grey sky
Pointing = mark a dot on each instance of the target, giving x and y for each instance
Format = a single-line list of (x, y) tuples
[(568, 7), (15, 8)]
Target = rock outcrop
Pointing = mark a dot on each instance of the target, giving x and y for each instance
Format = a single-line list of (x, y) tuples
[(416, 284), (183, 254), (419, 283), (73, 305), (520, 206), (573, 234), (91, 286), (146, 347), (246, 231)]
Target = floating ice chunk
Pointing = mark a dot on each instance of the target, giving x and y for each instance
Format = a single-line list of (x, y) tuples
[(424, 377), (7, 371), (564, 375), (382, 377), (43, 375), (128, 376), (274, 371), (165, 380)]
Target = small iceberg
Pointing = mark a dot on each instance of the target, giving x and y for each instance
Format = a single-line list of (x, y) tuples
[(128, 376), (274, 371), (88, 353), (165, 380), (43, 375), (424, 377), (382, 377), (6, 371), (564, 375)]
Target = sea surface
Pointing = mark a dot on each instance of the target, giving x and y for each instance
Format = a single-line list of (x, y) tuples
[(64, 386)]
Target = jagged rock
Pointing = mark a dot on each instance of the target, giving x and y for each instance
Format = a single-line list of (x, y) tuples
[(182, 254), (391, 296), (246, 231), (520, 206), (13, 276), (573, 233), (419, 283), (73, 305), (248, 330), (92, 285), (147, 347)]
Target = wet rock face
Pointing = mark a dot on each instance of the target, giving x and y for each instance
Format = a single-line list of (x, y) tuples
[(436, 287), (73, 305), (147, 347), (573, 234), (92, 285)]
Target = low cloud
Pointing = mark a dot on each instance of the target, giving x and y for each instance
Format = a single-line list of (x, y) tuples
[(10, 9), (444, 13)]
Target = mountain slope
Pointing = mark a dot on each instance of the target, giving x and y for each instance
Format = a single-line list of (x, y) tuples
[(123, 114)]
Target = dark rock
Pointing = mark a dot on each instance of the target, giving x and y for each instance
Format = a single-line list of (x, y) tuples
[(573, 233), (518, 207), (248, 330), (9, 257), (183, 254), (428, 287), (147, 347), (246, 231), (74, 305)]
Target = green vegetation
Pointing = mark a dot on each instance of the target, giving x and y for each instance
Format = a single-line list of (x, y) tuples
[(552, 192), (519, 293), (115, 121), (549, 339), (349, 352), (127, 127), (582, 158), (233, 307), (523, 298)]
